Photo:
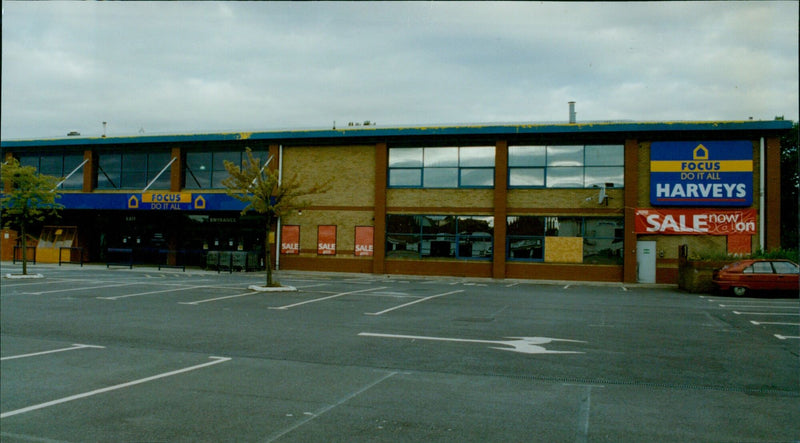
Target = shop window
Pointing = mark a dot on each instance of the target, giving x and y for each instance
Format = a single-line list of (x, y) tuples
[(206, 169), (525, 238), (57, 164), (439, 236), (574, 166), (442, 167), (603, 240), (558, 239), (132, 170)]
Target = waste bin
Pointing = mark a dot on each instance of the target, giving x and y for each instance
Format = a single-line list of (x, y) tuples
[(212, 260), (225, 259), (239, 260)]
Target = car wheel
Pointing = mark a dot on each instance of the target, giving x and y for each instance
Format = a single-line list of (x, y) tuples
[(739, 291)]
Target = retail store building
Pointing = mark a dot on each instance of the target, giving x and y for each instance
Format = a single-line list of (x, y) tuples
[(608, 201)]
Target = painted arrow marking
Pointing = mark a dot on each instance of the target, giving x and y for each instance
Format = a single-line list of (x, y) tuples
[(525, 345)]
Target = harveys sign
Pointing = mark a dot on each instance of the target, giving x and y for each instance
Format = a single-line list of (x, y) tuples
[(696, 222), (711, 173)]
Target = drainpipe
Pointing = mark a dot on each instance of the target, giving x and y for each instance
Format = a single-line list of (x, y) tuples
[(761, 168), (278, 225)]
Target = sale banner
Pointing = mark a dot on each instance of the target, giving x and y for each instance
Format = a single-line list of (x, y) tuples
[(326, 240), (364, 241), (695, 221), (290, 239)]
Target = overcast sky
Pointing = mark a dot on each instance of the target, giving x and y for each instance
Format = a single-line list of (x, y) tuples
[(178, 67)]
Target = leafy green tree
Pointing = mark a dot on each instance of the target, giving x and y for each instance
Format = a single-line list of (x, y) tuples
[(790, 180), (28, 197), (265, 192)]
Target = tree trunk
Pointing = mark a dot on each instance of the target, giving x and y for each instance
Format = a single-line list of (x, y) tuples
[(24, 249), (267, 253)]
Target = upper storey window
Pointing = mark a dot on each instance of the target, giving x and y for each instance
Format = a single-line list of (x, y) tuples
[(442, 167), (132, 170), (563, 166), (206, 169), (58, 164)]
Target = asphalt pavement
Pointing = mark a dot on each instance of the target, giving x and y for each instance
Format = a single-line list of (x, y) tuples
[(115, 354)]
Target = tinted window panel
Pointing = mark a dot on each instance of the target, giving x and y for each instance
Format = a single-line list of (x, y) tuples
[(408, 224), (156, 162), (29, 160), (133, 179), (605, 155), (599, 176), (441, 157), (471, 225), (402, 246), (564, 177), (525, 225), (405, 177), (477, 156), (444, 224), (477, 177), (604, 227), (526, 248), (220, 157), (527, 155), (563, 226), (134, 161), (405, 157), (441, 178), (51, 165), (526, 177), (565, 156)]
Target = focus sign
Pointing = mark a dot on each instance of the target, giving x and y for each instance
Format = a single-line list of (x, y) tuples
[(711, 173)]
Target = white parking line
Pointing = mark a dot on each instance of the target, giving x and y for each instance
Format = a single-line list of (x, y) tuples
[(319, 412), (81, 289), (217, 360), (773, 323), (150, 292), (413, 302), (215, 299), (765, 313), (759, 306), (33, 354), (325, 298), (787, 337)]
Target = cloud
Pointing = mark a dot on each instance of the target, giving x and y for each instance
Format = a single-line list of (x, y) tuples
[(178, 67)]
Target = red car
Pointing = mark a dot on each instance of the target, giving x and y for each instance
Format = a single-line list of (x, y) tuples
[(758, 275)]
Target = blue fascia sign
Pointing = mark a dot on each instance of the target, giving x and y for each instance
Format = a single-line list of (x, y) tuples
[(701, 173), (152, 201)]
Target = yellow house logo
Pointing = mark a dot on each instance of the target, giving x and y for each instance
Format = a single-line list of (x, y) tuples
[(133, 202), (700, 153), (199, 202)]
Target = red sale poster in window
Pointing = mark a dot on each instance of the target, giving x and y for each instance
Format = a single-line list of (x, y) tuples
[(326, 240), (364, 241), (290, 239)]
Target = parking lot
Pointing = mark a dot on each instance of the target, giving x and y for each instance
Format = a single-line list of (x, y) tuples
[(97, 354)]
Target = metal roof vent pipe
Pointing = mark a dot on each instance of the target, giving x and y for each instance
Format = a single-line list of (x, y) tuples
[(572, 112)]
